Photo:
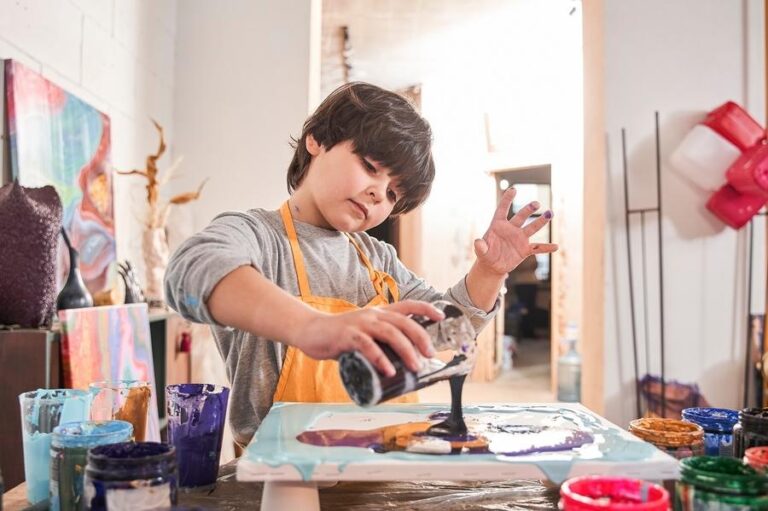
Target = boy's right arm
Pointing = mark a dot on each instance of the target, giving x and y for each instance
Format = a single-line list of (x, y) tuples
[(246, 300)]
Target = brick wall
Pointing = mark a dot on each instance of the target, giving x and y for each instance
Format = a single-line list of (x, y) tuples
[(119, 57)]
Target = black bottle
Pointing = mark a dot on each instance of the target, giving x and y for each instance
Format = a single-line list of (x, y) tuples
[(367, 387), (74, 294)]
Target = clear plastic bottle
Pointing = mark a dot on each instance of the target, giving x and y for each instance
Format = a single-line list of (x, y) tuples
[(569, 369)]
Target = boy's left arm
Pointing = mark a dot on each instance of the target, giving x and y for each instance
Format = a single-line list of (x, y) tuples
[(504, 246)]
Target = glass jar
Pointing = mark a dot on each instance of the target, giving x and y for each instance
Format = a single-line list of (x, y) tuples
[(69, 446), (757, 458), (718, 426), (132, 475), (612, 493), (709, 483), (677, 438), (751, 431)]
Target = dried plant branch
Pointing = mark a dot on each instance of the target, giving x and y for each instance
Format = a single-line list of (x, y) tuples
[(157, 215), (132, 172), (183, 198)]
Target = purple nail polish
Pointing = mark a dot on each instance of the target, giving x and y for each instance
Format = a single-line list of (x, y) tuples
[(548, 214)]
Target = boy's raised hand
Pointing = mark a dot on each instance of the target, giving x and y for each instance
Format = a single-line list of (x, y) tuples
[(506, 242), (326, 336)]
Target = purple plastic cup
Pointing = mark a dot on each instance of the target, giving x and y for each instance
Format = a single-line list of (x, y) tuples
[(196, 414)]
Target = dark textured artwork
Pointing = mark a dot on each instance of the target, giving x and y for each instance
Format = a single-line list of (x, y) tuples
[(31, 219)]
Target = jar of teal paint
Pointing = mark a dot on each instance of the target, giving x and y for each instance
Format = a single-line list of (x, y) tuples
[(751, 431), (132, 475), (709, 483), (717, 424), (41, 411), (69, 448)]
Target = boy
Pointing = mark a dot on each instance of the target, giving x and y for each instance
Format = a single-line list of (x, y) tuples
[(288, 291)]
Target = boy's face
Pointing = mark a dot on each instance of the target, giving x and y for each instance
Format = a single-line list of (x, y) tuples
[(350, 193)]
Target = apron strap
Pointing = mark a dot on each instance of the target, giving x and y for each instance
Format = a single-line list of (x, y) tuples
[(383, 283), (298, 258), (363, 257)]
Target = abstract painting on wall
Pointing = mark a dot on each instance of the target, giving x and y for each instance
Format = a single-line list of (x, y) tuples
[(58, 139), (109, 343)]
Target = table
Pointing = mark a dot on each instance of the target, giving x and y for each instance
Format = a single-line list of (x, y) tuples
[(233, 495)]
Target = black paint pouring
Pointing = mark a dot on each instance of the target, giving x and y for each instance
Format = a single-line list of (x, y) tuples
[(454, 425)]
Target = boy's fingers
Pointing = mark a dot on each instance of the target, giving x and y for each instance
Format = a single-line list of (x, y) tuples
[(543, 248), (373, 353), (535, 226), (502, 210), (389, 334), (415, 333), (418, 308), (519, 219)]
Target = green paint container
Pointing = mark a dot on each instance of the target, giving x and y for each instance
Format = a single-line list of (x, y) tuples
[(69, 449), (709, 483)]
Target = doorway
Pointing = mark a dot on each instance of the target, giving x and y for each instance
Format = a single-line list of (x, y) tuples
[(527, 300)]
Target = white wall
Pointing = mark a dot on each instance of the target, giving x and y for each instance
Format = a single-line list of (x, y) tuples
[(119, 57), (681, 58), (516, 64), (242, 73)]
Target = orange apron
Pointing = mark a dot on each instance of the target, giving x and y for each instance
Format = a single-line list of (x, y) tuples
[(305, 379)]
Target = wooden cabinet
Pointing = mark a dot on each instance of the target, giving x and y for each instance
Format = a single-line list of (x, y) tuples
[(30, 360)]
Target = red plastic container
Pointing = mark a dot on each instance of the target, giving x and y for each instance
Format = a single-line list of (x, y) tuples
[(749, 173), (734, 208), (612, 493), (736, 125), (757, 458)]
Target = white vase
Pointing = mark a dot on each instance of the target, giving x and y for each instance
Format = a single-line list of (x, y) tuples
[(156, 253)]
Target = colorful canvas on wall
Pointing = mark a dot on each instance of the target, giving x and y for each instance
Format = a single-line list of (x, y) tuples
[(57, 139), (109, 343)]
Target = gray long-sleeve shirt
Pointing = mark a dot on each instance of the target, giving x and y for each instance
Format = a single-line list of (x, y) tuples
[(257, 238)]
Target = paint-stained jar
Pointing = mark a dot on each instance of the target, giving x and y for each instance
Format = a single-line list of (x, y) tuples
[(69, 449), (612, 494), (709, 483), (751, 431), (757, 458), (131, 476), (717, 424), (679, 439)]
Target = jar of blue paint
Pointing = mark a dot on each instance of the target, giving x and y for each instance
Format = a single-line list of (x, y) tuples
[(751, 431), (69, 449), (718, 426), (131, 475)]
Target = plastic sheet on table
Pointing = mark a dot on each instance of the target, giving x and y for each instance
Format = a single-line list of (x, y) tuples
[(440, 495)]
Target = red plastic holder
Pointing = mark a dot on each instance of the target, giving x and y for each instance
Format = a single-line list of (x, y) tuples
[(749, 173), (735, 125), (734, 208)]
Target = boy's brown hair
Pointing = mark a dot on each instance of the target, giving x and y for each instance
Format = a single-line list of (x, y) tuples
[(382, 126)]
